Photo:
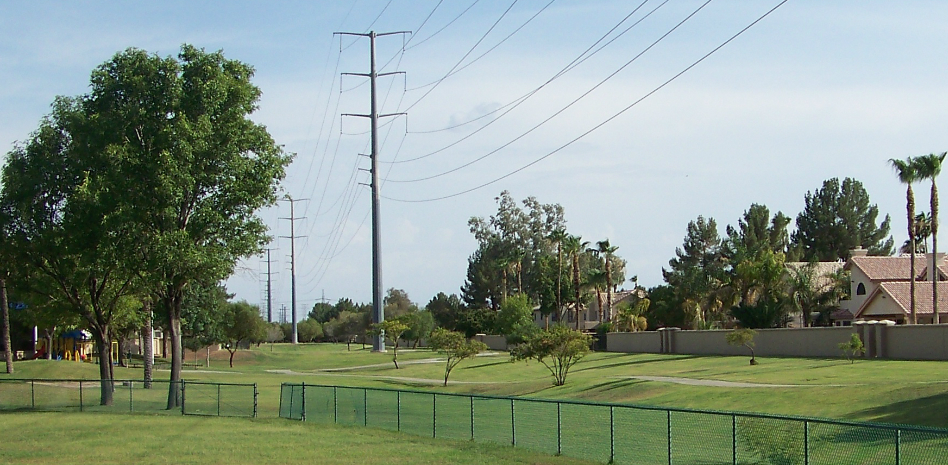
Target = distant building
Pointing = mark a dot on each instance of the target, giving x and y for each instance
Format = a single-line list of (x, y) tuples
[(880, 288)]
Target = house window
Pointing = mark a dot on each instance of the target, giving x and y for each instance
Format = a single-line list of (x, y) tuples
[(861, 289)]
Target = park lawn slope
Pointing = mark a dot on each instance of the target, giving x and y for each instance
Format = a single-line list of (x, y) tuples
[(911, 392), (83, 438)]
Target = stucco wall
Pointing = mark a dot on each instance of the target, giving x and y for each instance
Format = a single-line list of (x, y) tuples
[(917, 342), (493, 342), (641, 342), (798, 342)]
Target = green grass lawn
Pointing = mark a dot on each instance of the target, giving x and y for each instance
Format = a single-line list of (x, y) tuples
[(869, 390), (84, 438)]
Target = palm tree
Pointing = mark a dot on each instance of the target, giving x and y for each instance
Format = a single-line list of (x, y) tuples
[(574, 247), (596, 280), (558, 237), (923, 231), (929, 167), (907, 173), (605, 249)]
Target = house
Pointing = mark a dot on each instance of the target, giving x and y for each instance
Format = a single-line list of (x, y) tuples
[(588, 315), (880, 288), (823, 281)]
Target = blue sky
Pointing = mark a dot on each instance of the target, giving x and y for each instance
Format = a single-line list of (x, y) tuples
[(815, 90)]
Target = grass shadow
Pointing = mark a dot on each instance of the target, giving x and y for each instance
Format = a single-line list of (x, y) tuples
[(638, 362), (924, 411)]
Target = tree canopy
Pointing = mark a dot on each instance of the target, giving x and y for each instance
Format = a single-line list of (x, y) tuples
[(838, 218)]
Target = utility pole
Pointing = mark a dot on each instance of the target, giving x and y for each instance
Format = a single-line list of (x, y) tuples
[(283, 313), (294, 338), (378, 311), (269, 289)]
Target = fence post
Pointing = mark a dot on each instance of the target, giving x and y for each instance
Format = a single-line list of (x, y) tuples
[(472, 418), (398, 410), (255, 400), (292, 395), (806, 442), (365, 407), (32, 395), (335, 413), (898, 447), (669, 412), (80, 395), (218, 399), (559, 429), (612, 434), (131, 402), (303, 403), (734, 439), (513, 425), (434, 415), (182, 396)]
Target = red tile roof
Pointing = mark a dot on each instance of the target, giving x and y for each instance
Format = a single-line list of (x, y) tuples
[(900, 293), (888, 268)]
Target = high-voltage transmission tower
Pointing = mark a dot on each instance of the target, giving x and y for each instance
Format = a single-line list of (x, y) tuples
[(292, 237), (378, 312)]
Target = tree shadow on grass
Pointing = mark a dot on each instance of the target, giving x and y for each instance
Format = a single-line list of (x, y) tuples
[(637, 362), (485, 365), (924, 411)]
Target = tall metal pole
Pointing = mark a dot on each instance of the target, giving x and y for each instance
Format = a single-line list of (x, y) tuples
[(378, 310), (269, 291), (294, 338)]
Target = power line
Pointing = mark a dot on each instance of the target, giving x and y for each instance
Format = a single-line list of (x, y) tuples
[(569, 67), (498, 44), (517, 102), (465, 55), (443, 27), (561, 110), (594, 128)]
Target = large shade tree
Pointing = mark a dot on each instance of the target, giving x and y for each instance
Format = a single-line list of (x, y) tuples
[(65, 226), (193, 169)]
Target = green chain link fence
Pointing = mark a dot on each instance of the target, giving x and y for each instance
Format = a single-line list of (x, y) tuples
[(197, 398), (619, 433)]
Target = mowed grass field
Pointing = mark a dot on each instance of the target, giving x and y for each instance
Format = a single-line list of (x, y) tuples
[(868, 390)]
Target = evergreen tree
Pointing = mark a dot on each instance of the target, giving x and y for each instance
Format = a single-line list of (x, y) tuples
[(836, 219)]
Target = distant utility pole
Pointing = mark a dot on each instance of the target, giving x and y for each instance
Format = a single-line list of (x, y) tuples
[(283, 313), (292, 237), (269, 289), (378, 313)]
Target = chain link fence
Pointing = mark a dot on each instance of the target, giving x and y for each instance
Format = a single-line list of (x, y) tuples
[(617, 433), (196, 398)]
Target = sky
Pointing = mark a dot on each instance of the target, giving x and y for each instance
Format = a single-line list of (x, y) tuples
[(637, 137)]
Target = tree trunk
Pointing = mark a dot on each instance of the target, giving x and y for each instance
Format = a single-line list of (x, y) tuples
[(7, 348), (599, 301), (559, 283), (122, 354), (49, 342), (232, 352), (148, 349), (173, 304), (608, 289), (934, 271), (101, 336), (576, 286), (910, 207)]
